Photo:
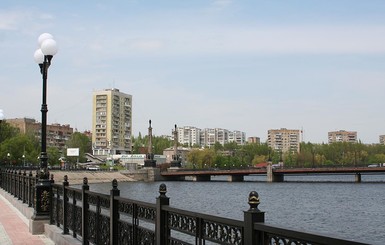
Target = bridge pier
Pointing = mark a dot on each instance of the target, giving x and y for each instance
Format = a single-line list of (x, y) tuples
[(197, 178), (358, 177), (273, 177), (235, 178)]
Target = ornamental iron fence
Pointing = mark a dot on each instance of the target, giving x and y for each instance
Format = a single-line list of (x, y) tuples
[(96, 218)]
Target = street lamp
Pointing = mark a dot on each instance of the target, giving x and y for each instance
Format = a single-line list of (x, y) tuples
[(43, 56), (9, 158), (1, 120)]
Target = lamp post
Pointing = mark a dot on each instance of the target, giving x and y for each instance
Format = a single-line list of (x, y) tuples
[(43, 56), (9, 158), (1, 121)]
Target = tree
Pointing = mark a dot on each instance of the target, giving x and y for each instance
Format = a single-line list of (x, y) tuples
[(18, 146), (53, 156), (258, 159), (7, 131), (193, 158), (81, 141)]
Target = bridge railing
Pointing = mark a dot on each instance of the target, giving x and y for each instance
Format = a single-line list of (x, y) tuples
[(98, 218)]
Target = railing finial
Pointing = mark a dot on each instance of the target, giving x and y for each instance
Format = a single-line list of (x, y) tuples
[(162, 189), (114, 184), (253, 201)]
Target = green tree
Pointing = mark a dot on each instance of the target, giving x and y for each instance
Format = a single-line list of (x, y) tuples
[(258, 159), (18, 146), (81, 141), (194, 158), (7, 131)]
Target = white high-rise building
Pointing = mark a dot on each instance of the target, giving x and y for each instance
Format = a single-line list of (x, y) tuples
[(207, 137), (111, 122), (189, 135)]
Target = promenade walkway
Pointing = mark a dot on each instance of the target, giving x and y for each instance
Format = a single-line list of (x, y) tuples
[(14, 227)]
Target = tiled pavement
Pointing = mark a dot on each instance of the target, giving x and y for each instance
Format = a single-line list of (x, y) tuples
[(14, 227)]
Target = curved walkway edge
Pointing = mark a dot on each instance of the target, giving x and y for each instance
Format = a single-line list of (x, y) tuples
[(15, 218)]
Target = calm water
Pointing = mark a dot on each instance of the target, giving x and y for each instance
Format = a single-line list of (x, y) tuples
[(320, 204)]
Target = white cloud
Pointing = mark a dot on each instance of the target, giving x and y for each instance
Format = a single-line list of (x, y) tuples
[(10, 20), (221, 3)]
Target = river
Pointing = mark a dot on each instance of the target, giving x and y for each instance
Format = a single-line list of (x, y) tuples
[(333, 205)]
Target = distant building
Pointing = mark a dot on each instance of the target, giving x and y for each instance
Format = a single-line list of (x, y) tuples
[(189, 135), (181, 151), (207, 137), (237, 137), (111, 122), (255, 140), (342, 136), (136, 161), (382, 139), (284, 140), (57, 134)]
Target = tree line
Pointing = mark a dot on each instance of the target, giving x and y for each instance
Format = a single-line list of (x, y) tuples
[(14, 145)]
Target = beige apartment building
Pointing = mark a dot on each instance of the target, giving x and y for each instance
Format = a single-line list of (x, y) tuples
[(57, 134), (342, 136), (253, 140), (111, 122), (284, 140)]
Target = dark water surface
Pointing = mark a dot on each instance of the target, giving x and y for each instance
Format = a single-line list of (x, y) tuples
[(315, 204)]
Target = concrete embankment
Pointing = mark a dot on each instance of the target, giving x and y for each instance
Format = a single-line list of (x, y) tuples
[(76, 177)]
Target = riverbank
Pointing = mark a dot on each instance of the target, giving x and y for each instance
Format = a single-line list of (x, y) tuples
[(76, 177)]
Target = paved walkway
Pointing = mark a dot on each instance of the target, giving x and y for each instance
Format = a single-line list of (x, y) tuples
[(14, 227)]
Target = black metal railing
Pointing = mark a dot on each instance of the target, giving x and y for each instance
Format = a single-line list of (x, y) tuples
[(96, 218)]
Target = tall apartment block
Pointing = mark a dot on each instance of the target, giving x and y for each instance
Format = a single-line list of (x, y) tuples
[(342, 136), (111, 122), (382, 139), (284, 140), (57, 134)]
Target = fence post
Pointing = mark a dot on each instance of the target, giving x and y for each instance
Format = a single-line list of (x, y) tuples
[(85, 207), (17, 184), (250, 217), (114, 213), (162, 232), (24, 187), (65, 205), (30, 195)]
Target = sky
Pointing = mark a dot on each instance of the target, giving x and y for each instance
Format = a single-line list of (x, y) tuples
[(312, 65)]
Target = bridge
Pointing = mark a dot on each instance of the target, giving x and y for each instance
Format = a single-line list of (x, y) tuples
[(272, 174)]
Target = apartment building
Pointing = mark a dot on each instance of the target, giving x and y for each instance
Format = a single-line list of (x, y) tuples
[(111, 122), (237, 137), (254, 140), (382, 139), (207, 137), (188, 135), (342, 136), (57, 134), (284, 140)]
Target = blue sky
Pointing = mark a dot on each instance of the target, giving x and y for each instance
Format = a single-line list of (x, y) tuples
[(240, 65)]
